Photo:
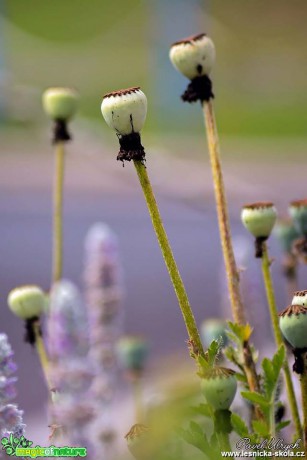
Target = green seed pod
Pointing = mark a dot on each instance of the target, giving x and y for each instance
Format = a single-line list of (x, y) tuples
[(27, 301), (133, 352), (213, 329), (60, 103), (298, 212), (219, 387), (300, 298), (125, 110), (137, 441), (193, 56), (259, 218), (286, 233), (293, 325)]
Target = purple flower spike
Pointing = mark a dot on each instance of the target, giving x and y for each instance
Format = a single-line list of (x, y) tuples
[(10, 415)]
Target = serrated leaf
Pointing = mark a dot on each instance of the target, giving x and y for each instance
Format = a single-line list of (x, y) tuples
[(272, 370), (255, 398), (260, 428), (281, 425), (212, 352), (278, 360), (196, 437), (239, 425)]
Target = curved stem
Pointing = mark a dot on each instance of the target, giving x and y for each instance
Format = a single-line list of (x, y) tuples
[(278, 336), (57, 259), (232, 273), (194, 338)]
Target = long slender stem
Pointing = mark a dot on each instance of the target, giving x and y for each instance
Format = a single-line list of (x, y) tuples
[(138, 402), (57, 261), (42, 354), (170, 262), (232, 273), (278, 336), (303, 380)]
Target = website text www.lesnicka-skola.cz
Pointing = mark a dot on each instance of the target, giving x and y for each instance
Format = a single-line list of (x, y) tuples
[(262, 453)]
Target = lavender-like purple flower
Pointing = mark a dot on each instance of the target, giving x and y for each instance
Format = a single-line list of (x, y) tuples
[(103, 293), (70, 370), (10, 415)]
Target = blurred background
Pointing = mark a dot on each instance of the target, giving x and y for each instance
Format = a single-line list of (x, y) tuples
[(98, 46)]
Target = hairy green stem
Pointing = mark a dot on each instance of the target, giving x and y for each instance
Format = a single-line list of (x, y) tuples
[(278, 336), (196, 347), (57, 259), (232, 273), (303, 381)]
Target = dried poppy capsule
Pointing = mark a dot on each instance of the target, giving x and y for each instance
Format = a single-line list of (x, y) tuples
[(125, 112)]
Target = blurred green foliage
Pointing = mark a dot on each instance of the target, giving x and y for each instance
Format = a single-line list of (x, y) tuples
[(98, 46)]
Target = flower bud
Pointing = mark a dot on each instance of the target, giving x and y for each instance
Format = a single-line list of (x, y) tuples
[(293, 325), (213, 329), (300, 298), (193, 56), (125, 110), (27, 301), (219, 386), (298, 212), (133, 352), (60, 103), (259, 218), (137, 441)]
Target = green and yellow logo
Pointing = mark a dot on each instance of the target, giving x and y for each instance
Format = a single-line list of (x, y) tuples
[(22, 447)]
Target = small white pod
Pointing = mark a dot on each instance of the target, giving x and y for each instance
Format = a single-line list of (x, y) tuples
[(193, 56), (125, 110), (259, 218), (27, 301), (300, 298)]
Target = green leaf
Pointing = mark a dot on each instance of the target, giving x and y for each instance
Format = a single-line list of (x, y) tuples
[(213, 352), (196, 437), (239, 425), (272, 371), (260, 427), (255, 398), (241, 332), (278, 360), (241, 377), (202, 409), (282, 425)]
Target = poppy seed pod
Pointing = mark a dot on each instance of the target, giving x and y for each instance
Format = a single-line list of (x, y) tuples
[(300, 298), (60, 103), (193, 56), (137, 441), (213, 329), (219, 386), (132, 352), (259, 218), (293, 325), (286, 234), (27, 301), (125, 110), (298, 212)]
